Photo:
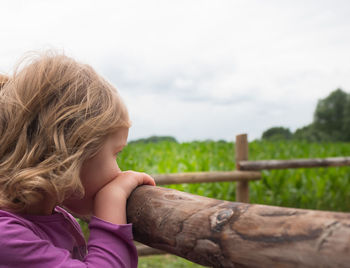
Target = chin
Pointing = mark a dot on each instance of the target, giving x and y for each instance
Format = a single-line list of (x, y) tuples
[(79, 208)]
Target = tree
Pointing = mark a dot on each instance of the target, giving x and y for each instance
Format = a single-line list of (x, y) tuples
[(331, 116), (331, 121), (277, 133), (330, 113), (155, 139), (346, 120), (310, 134)]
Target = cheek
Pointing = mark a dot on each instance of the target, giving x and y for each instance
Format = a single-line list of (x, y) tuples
[(95, 178), (111, 168), (112, 172)]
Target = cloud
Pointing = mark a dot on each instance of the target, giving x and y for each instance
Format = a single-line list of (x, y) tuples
[(196, 69)]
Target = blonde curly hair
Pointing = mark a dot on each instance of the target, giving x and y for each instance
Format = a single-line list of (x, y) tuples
[(54, 114)]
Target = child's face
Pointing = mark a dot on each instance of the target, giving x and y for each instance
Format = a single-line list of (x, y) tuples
[(98, 171)]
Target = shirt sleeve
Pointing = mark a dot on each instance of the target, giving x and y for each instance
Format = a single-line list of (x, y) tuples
[(109, 246), (111, 243)]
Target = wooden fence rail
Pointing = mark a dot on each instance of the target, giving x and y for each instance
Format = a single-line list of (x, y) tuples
[(219, 233), (242, 164), (143, 250), (213, 176), (294, 163)]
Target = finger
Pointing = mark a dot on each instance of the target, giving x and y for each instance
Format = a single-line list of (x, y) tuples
[(148, 180), (141, 177)]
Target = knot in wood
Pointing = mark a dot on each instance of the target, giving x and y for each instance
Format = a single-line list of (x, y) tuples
[(219, 219)]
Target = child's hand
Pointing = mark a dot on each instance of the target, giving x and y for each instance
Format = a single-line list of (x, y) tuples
[(125, 183), (110, 201)]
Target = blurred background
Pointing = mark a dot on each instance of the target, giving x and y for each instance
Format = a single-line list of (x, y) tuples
[(196, 70)]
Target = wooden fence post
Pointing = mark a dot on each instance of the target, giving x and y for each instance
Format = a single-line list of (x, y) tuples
[(242, 187)]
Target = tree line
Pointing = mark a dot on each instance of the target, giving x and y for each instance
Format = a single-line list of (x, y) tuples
[(154, 139), (331, 122)]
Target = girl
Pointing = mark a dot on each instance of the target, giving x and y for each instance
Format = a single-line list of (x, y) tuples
[(61, 128)]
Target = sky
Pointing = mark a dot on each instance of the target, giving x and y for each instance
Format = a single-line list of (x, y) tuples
[(195, 69)]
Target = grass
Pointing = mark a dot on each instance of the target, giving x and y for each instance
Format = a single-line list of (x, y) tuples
[(161, 261)]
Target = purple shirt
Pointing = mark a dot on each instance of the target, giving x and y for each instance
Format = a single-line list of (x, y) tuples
[(57, 241)]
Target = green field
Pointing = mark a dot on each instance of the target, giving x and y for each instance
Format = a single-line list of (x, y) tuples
[(313, 188)]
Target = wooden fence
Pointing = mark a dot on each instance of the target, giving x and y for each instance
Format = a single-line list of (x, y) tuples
[(273, 235), (219, 233), (246, 170)]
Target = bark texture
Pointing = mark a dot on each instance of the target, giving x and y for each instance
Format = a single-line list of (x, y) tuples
[(200, 177), (143, 250), (219, 233)]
